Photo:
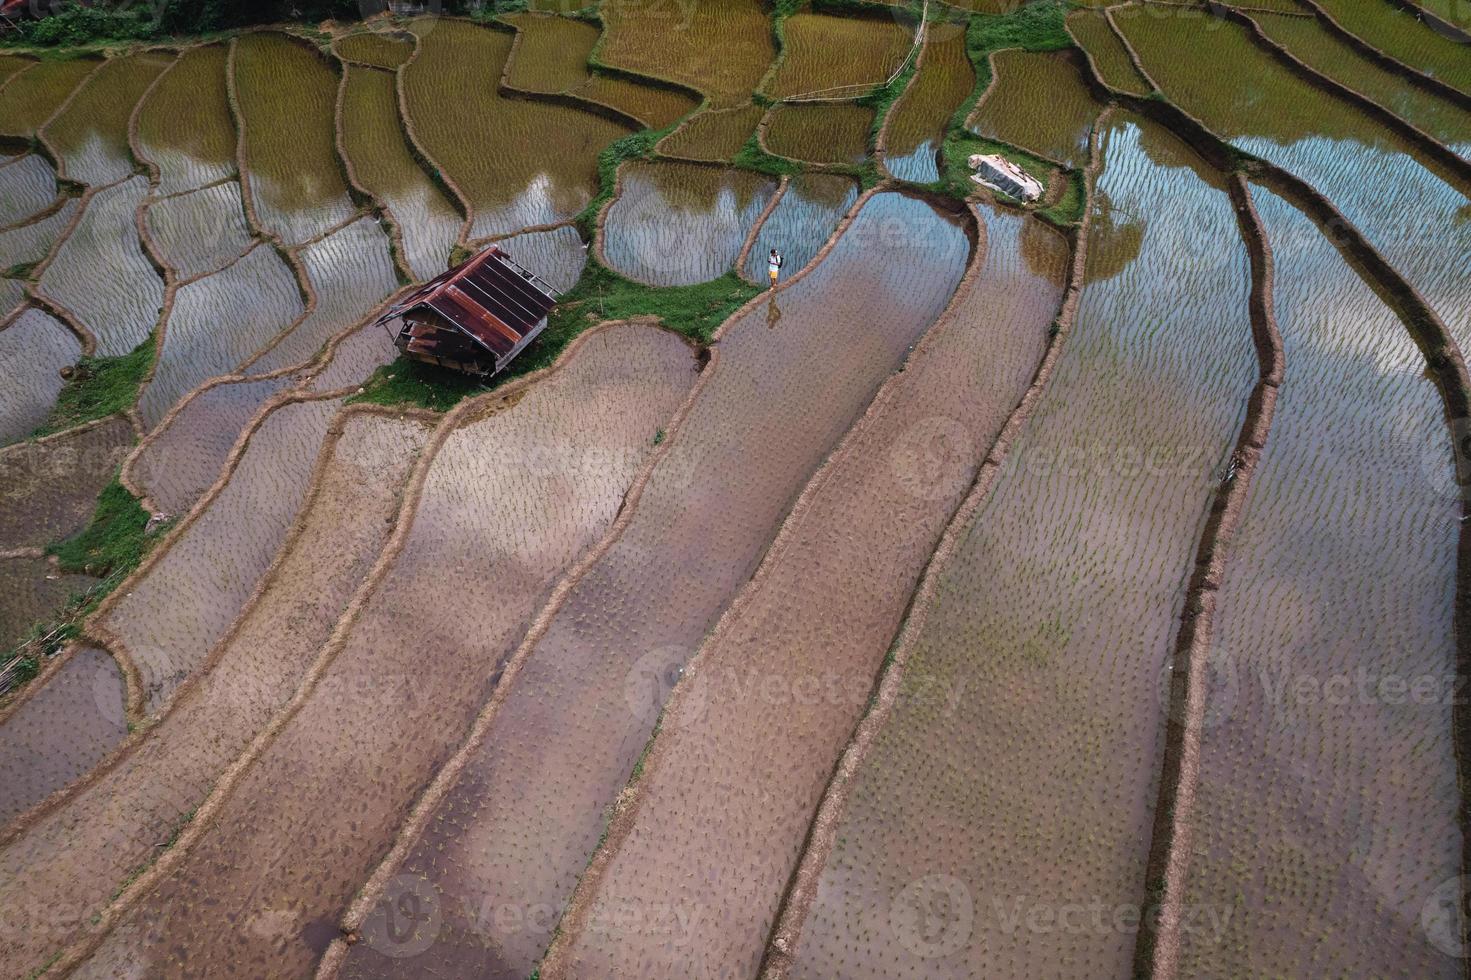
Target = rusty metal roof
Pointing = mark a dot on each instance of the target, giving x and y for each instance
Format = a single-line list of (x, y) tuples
[(490, 298)]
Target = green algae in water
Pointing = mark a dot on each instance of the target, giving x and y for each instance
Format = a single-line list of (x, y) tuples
[(520, 162), (288, 97), (720, 47), (917, 125), (33, 95), (820, 133), (715, 134), (828, 52), (184, 126), (375, 143), (91, 134), (1090, 28), (1038, 102), (551, 52), (378, 50)]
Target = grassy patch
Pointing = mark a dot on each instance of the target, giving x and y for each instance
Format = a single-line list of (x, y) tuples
[(111, 546), (1069, 208), (601, 294), (100, 386), (1039, 26), (115, 540)]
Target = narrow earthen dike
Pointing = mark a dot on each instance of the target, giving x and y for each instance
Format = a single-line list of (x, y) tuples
[(1169, 857)]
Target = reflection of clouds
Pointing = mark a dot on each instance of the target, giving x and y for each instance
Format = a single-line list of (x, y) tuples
[(537, 204)]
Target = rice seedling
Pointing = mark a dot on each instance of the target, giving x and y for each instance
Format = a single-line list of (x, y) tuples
[(198, 233), (820, 133), (286, 94), (1091, 30), (1038, 102), (33, 95), (916, 127), (1397, 32), (28, 185)]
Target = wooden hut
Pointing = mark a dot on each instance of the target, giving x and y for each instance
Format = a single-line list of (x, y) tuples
[(474, 318)]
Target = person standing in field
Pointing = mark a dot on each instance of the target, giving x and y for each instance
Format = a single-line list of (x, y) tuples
[(773, 266)]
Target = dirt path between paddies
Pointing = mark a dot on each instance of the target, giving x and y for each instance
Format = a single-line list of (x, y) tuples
[(74, 856), (750, 737), (522, 806), (515, 487)]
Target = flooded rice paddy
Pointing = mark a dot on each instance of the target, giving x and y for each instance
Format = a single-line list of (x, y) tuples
[(1003, 559)]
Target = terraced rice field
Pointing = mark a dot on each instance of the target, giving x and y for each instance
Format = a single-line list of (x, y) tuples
[(610, 635), (1053, 745), (820, 133), (1039, 103), (1308, 40), (184, 125), (719, 47), (1356, 855), (1386, 186), (824, 53), (517, 163), (375, 144), (917, 126), (1011, 590), (285, 92), (1394, 30), (674, 224)]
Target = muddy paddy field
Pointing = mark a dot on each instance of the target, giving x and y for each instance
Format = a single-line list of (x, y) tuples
[(1076, 587)]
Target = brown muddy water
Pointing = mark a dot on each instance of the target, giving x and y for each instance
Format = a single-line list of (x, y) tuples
[(83, 850), (521, 819), (309, 819), (784, 678), (65, 727), (49, 489), (34, 348)]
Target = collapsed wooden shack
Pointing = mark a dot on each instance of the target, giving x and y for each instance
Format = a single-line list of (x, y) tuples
[(474, 318)]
